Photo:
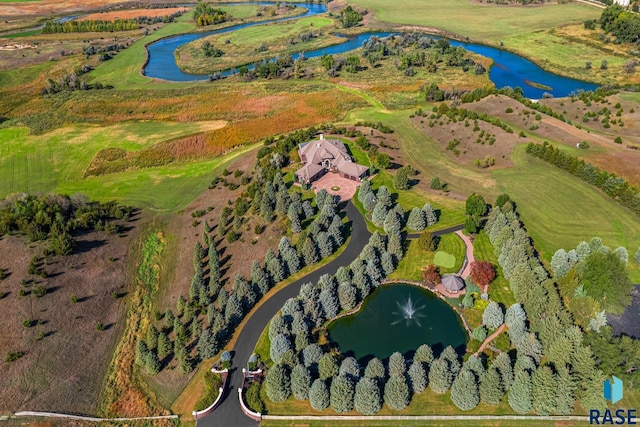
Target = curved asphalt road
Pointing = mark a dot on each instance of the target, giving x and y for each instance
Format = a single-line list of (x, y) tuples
[(228, 412)]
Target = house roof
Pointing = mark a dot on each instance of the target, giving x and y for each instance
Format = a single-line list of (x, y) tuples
[(324, 149), (309, 170), (332, 151), (452, 282)]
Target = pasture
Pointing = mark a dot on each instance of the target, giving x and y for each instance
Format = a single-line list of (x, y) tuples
[(479, 21)]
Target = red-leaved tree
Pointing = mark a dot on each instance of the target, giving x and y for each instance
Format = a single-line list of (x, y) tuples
[(482, 273), (431, 274)]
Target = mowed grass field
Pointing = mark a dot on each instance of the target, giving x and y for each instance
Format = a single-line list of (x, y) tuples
[(55, 162), (483, 22), (558, 209)]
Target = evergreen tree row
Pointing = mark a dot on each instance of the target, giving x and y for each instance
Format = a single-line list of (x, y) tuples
[(616, 187)]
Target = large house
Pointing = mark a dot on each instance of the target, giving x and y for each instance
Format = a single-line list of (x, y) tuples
[(327, 155)]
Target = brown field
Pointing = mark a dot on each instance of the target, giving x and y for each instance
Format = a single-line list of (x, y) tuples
[(444, 131), (129, 14), (575, 111), (46, 8), (66, 358), (607, 155), (253, 113)]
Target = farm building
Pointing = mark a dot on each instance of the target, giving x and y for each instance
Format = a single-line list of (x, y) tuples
[(327, 155)]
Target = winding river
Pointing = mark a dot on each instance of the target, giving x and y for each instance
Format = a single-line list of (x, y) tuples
[(508, 69)]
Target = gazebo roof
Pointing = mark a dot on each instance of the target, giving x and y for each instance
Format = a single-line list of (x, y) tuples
[(452, 282)]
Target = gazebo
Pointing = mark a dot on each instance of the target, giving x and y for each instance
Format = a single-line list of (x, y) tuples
[(452, 283)]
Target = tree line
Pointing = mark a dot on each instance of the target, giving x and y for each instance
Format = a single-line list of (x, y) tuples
[(623, 24), (616, 187), (90, 26), (54, 218), (561, 368), (204, 14), (207, 318)]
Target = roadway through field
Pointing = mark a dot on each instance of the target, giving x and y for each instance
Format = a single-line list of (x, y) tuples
[(228, 413)]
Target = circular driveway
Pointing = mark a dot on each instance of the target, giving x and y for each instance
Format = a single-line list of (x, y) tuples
[(346, 187)]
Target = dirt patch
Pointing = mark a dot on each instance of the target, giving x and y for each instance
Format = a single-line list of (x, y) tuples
[(130, 14), (66, 357), (605, 154)]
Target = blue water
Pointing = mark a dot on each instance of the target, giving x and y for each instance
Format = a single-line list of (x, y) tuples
[(508, 70)]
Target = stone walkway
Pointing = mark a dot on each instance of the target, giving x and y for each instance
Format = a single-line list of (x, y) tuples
[(347, 188), (465, 271)]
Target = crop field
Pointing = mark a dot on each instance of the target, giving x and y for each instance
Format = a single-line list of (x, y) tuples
[(477, 20), (241, 46)]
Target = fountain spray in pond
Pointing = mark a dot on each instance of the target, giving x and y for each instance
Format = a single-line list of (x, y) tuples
[(409, 313)]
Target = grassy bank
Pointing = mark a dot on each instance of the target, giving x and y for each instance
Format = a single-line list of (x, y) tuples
[(252, 44), (478, 21), (124, 392)]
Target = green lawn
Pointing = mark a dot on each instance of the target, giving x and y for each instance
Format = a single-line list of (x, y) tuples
[(56, 162), (484, 22), (499, 289), (444, 259), (415, 259), (558, 209), (21, 34)]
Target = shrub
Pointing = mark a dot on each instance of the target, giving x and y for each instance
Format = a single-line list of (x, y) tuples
[(13, 356), (252, 397)]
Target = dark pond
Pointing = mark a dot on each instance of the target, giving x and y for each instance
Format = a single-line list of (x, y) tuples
[(398, 317)]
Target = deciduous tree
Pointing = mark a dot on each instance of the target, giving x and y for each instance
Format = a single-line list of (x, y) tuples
[(482, 273)]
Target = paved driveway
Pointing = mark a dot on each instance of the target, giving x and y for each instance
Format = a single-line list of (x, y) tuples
[(346, 187), (228, 413)]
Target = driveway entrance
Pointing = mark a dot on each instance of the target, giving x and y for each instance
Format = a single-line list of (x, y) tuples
[(335, 184)]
